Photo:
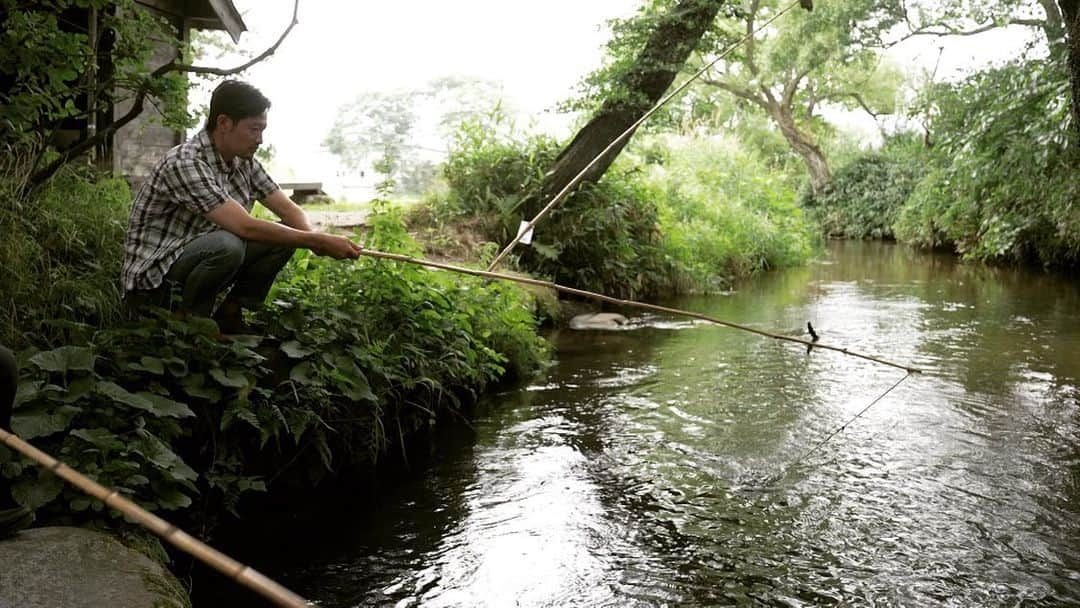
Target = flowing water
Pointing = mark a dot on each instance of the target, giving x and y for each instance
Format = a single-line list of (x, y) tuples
[(656, 465)]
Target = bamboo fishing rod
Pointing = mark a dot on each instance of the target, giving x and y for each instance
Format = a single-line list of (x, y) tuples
[(228, 566), (632, 304), (558, 198)]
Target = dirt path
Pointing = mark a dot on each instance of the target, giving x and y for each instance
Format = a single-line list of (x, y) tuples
[(322, 220)]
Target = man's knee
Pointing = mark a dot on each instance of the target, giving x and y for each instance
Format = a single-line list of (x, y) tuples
[(224, 248)]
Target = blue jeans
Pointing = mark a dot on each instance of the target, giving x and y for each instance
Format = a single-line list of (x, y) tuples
[(218, 259)]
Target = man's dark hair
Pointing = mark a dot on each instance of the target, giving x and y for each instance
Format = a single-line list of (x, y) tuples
[(237, 100)]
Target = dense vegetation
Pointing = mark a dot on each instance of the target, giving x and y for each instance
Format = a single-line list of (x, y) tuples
[(61, 256), (865, 196), (664, 219), (997, 184), (353, 358), (1003, 186)]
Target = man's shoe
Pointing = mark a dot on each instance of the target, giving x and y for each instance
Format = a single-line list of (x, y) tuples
[(230, 319), (232, 326)]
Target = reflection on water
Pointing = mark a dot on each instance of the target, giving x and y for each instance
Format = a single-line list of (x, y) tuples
[(653, 466)]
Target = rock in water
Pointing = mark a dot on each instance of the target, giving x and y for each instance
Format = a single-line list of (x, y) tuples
[(62, 567), (599, 320)]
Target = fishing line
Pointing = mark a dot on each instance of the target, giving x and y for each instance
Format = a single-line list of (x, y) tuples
[(524, 230), (632, 304), (841, 428)]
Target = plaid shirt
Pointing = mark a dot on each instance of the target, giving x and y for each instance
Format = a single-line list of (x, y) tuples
[(170, 207)]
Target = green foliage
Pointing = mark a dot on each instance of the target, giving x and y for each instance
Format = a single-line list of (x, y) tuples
[(1004, 188), (768, 89), (358, 355), (865, 196), (724, 215), (50, 67), (60, 256), (602, 238), (661, 220)]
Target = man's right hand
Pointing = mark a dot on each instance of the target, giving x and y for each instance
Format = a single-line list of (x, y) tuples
[(234, 218), (334, 246)]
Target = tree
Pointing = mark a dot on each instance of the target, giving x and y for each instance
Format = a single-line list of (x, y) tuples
[(1059, 23), (1070, 10), (52, 74), (803, 61), (374, 124), (661, 39), (384, 128)]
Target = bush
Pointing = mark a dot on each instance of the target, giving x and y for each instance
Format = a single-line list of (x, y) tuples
[(865, 196), (1005, 189), (60, 256), (660, 221), (724, 214), (602, 238), (358, 355)]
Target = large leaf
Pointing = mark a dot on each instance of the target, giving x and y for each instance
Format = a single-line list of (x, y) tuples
[(103, 439), (302, 373), (159, 453), (64, 359), (295, 350), (36, 493), (42, 420), (194, 387), (233, 378), (148, 402)]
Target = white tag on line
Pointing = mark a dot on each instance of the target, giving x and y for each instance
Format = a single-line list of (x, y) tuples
[(527, 239)]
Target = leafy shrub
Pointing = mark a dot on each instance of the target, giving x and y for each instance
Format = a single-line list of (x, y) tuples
[(357, 356), (724, 215), (864, 197), (602, 238), (659, 221), (1006, 187), (60, 256)]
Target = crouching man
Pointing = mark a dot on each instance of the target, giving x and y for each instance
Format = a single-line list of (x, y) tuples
[(191, 226)]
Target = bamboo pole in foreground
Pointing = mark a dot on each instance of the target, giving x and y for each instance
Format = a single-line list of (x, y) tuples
[(228, 566), (632, 304)]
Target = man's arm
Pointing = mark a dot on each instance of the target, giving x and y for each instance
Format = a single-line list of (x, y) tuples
[(289, 212), (231, 216)]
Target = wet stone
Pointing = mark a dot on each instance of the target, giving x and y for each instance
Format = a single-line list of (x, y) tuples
[(64, 567)]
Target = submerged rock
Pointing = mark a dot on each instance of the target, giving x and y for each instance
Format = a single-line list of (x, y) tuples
[(63, 567), (599, 320)]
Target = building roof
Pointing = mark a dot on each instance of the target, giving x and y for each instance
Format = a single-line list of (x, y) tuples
[(229, 17), (202, 14)]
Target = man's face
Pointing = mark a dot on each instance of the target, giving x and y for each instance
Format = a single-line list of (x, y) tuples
[(243, 137)]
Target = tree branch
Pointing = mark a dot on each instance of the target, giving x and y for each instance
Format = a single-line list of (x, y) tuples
[(927, 30), (862, 103), (737, 91), (141, 94)]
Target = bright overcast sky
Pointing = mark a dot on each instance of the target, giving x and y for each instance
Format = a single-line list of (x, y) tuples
[(539, 51)]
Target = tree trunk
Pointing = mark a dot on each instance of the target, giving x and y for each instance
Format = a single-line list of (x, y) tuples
[(816, 163), (675, 37), (1070, 11)]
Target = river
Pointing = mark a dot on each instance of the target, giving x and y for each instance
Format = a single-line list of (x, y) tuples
[(661, 465)]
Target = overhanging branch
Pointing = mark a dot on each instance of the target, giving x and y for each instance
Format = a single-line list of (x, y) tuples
[(141, 94)]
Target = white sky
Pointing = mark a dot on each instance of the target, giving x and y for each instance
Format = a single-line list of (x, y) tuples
[(539, 51)]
